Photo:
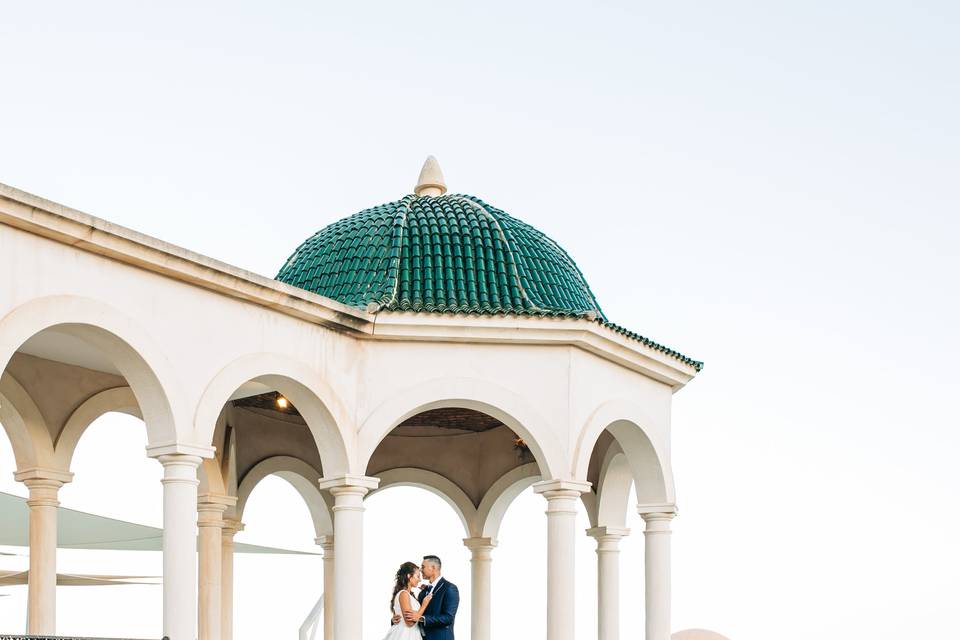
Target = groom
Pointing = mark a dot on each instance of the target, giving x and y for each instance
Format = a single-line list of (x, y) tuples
[(436, 623)]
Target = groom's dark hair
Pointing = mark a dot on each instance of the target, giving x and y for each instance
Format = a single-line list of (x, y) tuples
[(434, 559)]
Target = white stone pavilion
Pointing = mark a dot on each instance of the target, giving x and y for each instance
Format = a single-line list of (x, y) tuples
[(435, 324)]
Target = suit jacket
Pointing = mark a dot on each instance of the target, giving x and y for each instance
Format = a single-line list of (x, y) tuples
[(437, 620)]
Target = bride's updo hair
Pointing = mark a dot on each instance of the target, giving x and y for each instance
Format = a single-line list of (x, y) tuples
[(406, 570)]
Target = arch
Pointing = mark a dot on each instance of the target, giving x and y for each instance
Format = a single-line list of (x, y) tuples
[(301, 476), (467, 393), (499, 497), (150, 375), (119, 399), (434, 483), (613, 490), (325, 415), (648, 461), (28, 434)]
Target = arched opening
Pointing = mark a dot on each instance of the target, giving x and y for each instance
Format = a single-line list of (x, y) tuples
[(623, 425), (274, 593), (259, 422), (65, 387), (436, 484), (65, 349), (464, 407), (265, 405), (627, 473), (404, 522), (114, 479), (269, 428), (468, 459), (463, 447), (624, 456), (521, 552), (300, 476)]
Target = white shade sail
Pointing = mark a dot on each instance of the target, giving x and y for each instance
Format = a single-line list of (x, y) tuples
[(81, 530), (17, 578)]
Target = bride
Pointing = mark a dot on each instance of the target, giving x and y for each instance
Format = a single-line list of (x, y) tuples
[(402, 601)]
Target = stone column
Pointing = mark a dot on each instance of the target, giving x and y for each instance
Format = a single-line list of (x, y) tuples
[(326, 543), (43, 484), (608, 580), (480, 564), (348, 492), (657, 569), (230, 529), (562, 496), (179, 545), (210, 510)]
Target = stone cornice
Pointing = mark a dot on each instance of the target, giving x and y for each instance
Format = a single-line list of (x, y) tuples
[(54, 221), (580, 333)]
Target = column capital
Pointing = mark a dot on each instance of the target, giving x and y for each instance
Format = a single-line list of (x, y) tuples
[(561, 488), (185, 448), (657, 508), (30, 474), (44, 485), (608, 532), (231, 528), (210, 508), (179, 459), (215, 501), (326, 543), (179, 468), (348, 483), (480, 544), (608, 538), (657, 523)]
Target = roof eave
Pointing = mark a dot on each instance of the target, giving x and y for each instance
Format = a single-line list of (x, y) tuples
[(515, 329), (57, 222)]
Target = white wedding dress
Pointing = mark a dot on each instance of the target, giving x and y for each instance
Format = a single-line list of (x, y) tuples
[(401, 631)]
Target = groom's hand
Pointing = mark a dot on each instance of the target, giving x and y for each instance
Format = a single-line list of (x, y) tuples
[(411, 616), (395, 619)]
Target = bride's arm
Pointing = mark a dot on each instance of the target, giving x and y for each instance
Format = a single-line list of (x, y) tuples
[(405, 607)]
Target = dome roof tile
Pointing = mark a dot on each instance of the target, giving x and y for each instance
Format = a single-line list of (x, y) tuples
[(446, 254)]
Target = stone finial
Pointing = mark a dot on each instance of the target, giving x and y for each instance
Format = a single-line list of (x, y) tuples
[(430, 182)]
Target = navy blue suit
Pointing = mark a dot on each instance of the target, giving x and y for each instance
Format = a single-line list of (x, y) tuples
[(437, 620)]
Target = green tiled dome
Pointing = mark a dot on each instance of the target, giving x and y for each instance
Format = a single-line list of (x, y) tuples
[(447, 253)]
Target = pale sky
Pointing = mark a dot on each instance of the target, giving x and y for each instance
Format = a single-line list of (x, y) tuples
[(768, 187)]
